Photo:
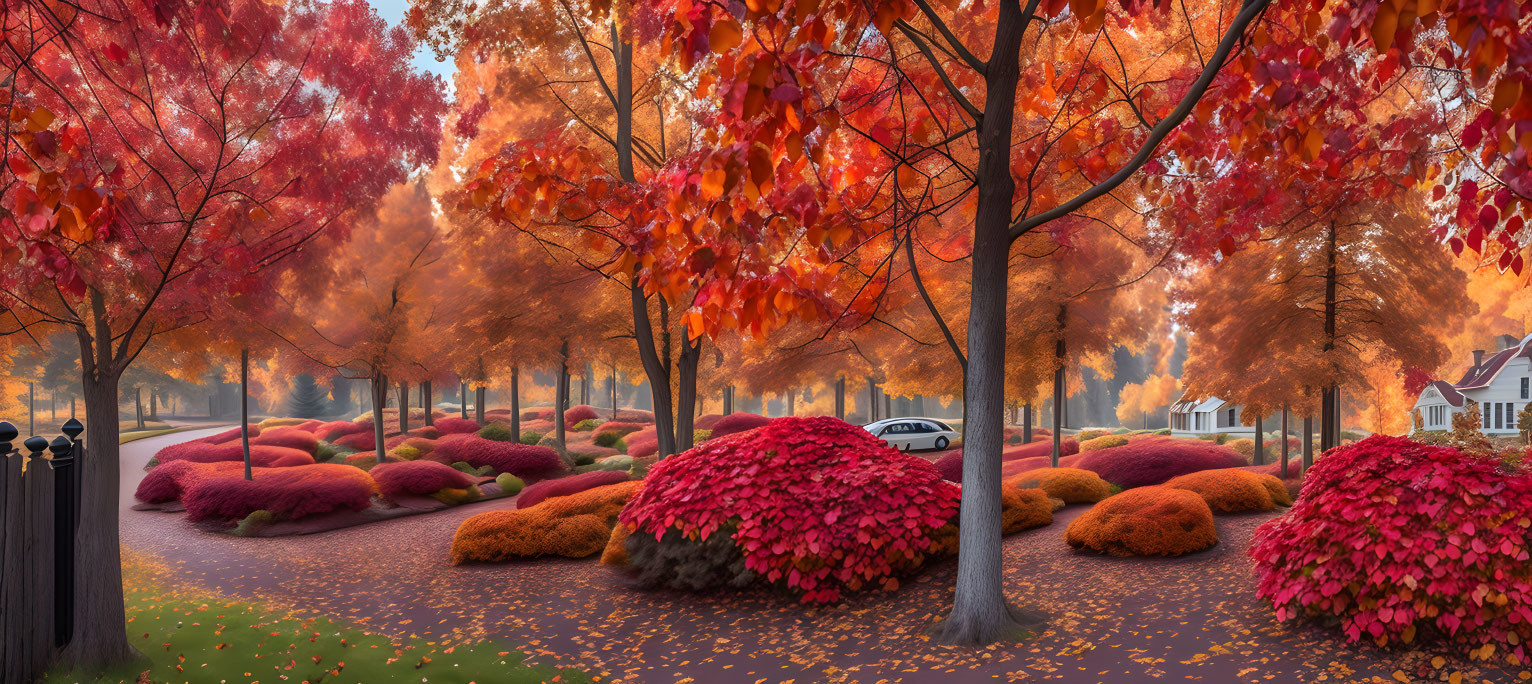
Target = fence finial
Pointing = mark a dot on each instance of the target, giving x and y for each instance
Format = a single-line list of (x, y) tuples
[(7, 435), (36, 445), (60, 446), (73, 428)]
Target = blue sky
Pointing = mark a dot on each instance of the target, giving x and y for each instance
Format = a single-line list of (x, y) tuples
[(392, 12)]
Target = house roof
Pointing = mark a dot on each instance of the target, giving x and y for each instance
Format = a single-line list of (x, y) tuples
[(1485, 372), (1192, 405), (1448, 392)]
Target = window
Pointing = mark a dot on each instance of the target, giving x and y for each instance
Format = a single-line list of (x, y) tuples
[(1499, 416), (1526, 391), (1510, 416)]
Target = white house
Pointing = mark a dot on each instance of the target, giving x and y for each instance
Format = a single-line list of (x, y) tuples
[(1194, 417), (1498, 383)]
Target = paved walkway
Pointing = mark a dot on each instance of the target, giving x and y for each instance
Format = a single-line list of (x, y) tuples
[(1113, 620)]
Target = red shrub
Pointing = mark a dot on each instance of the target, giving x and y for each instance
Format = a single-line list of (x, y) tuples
[(815, 504), (361, 441), (642, 443), (261, 456), (539, 413), (738, 422), (425, 446), (395, 440), (707, 421), (309, 425), (635, 416), (418, 478), (543, 426), (449, 426), (1153, 460), (578, 413), (564, 486), (331, 432), (950, 464), (1395, 538), (287, 492), (1294, 468), (229, 435), (522, 460), (290, 437), (426, 431), (621, 428), (168, 481)]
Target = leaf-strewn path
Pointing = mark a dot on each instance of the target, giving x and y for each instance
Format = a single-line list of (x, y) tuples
[(1114, 620)]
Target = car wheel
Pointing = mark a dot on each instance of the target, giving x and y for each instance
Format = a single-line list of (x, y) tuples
[(941, 443)]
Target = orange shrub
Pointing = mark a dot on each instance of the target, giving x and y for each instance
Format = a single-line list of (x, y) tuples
[(575, 526), (1147, 521), (616, 552), (1070, 485), (1024, 509), (1232, 490), (1102, 442)]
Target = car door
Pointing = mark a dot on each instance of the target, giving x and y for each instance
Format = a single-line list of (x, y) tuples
[(896, 435), (923, 435)]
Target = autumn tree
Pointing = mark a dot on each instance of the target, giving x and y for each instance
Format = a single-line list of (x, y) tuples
[(162, 157)]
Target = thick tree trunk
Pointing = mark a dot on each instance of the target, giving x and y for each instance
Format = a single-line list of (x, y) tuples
[(427, 399), (462, 400), (1284, 441), (138, 406), (379, 400), (614, 392), (1328, 419), (1308, 443), (1026, 423), (686, 395), (657, 373), (404, 407), (980, 613), (872, 400), (154, 405), (728, 400), (790, 406), (561, 393), (840, 398), (515, 402), (244, 409), (1260, 441)]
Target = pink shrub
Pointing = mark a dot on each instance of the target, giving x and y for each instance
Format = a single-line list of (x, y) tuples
[(229, 435), (1153, 460), (738, 422), (397, 478), (290, 437), (168, 481), (1396, 539), (426, 431), (449, 426), (420, 443), (707, 421), (564, 486), (261, 456), (578, 413), (309, 425), (522, 460), (635, 416), (286, 492), (543, 426), (340, 428), (593, 451), (1294, 468), (395, 440), (361, 441)]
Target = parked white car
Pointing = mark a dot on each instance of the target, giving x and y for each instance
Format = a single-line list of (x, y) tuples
[(913, 434)]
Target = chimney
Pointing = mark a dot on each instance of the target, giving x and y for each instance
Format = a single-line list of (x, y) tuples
[(1478, 358)]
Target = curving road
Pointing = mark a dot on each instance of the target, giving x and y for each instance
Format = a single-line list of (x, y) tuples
[(1113, 620)]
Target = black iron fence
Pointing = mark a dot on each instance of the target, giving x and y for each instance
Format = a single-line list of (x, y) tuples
[(39, 514)]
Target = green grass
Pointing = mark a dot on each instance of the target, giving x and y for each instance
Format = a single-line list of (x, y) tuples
[(186, 637), (125, 437)]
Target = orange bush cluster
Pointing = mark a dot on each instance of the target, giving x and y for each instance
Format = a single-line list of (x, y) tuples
[(574, 526), (1101, 442), (1070, 485), (1232, 490), (1147, 521), (1024, 509)]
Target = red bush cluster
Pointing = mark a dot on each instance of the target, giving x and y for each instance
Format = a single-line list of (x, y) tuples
[(286, 492), (815, 504), (622, 429), (424, 432), (261, 456), (564, 486), (331, 432), (418, 478), (290, 437), (642, 443), (1152, 460), (525, 461), (578, 413), (309, 425), (543, 413), (1397, 539), (1034, 455), (361, 441), (737, 422), (168, 481), (707, 421), (448, 426)]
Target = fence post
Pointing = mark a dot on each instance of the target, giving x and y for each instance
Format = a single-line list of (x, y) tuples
[(64, 502), (12, 630), (72, 429), (37, 552)]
